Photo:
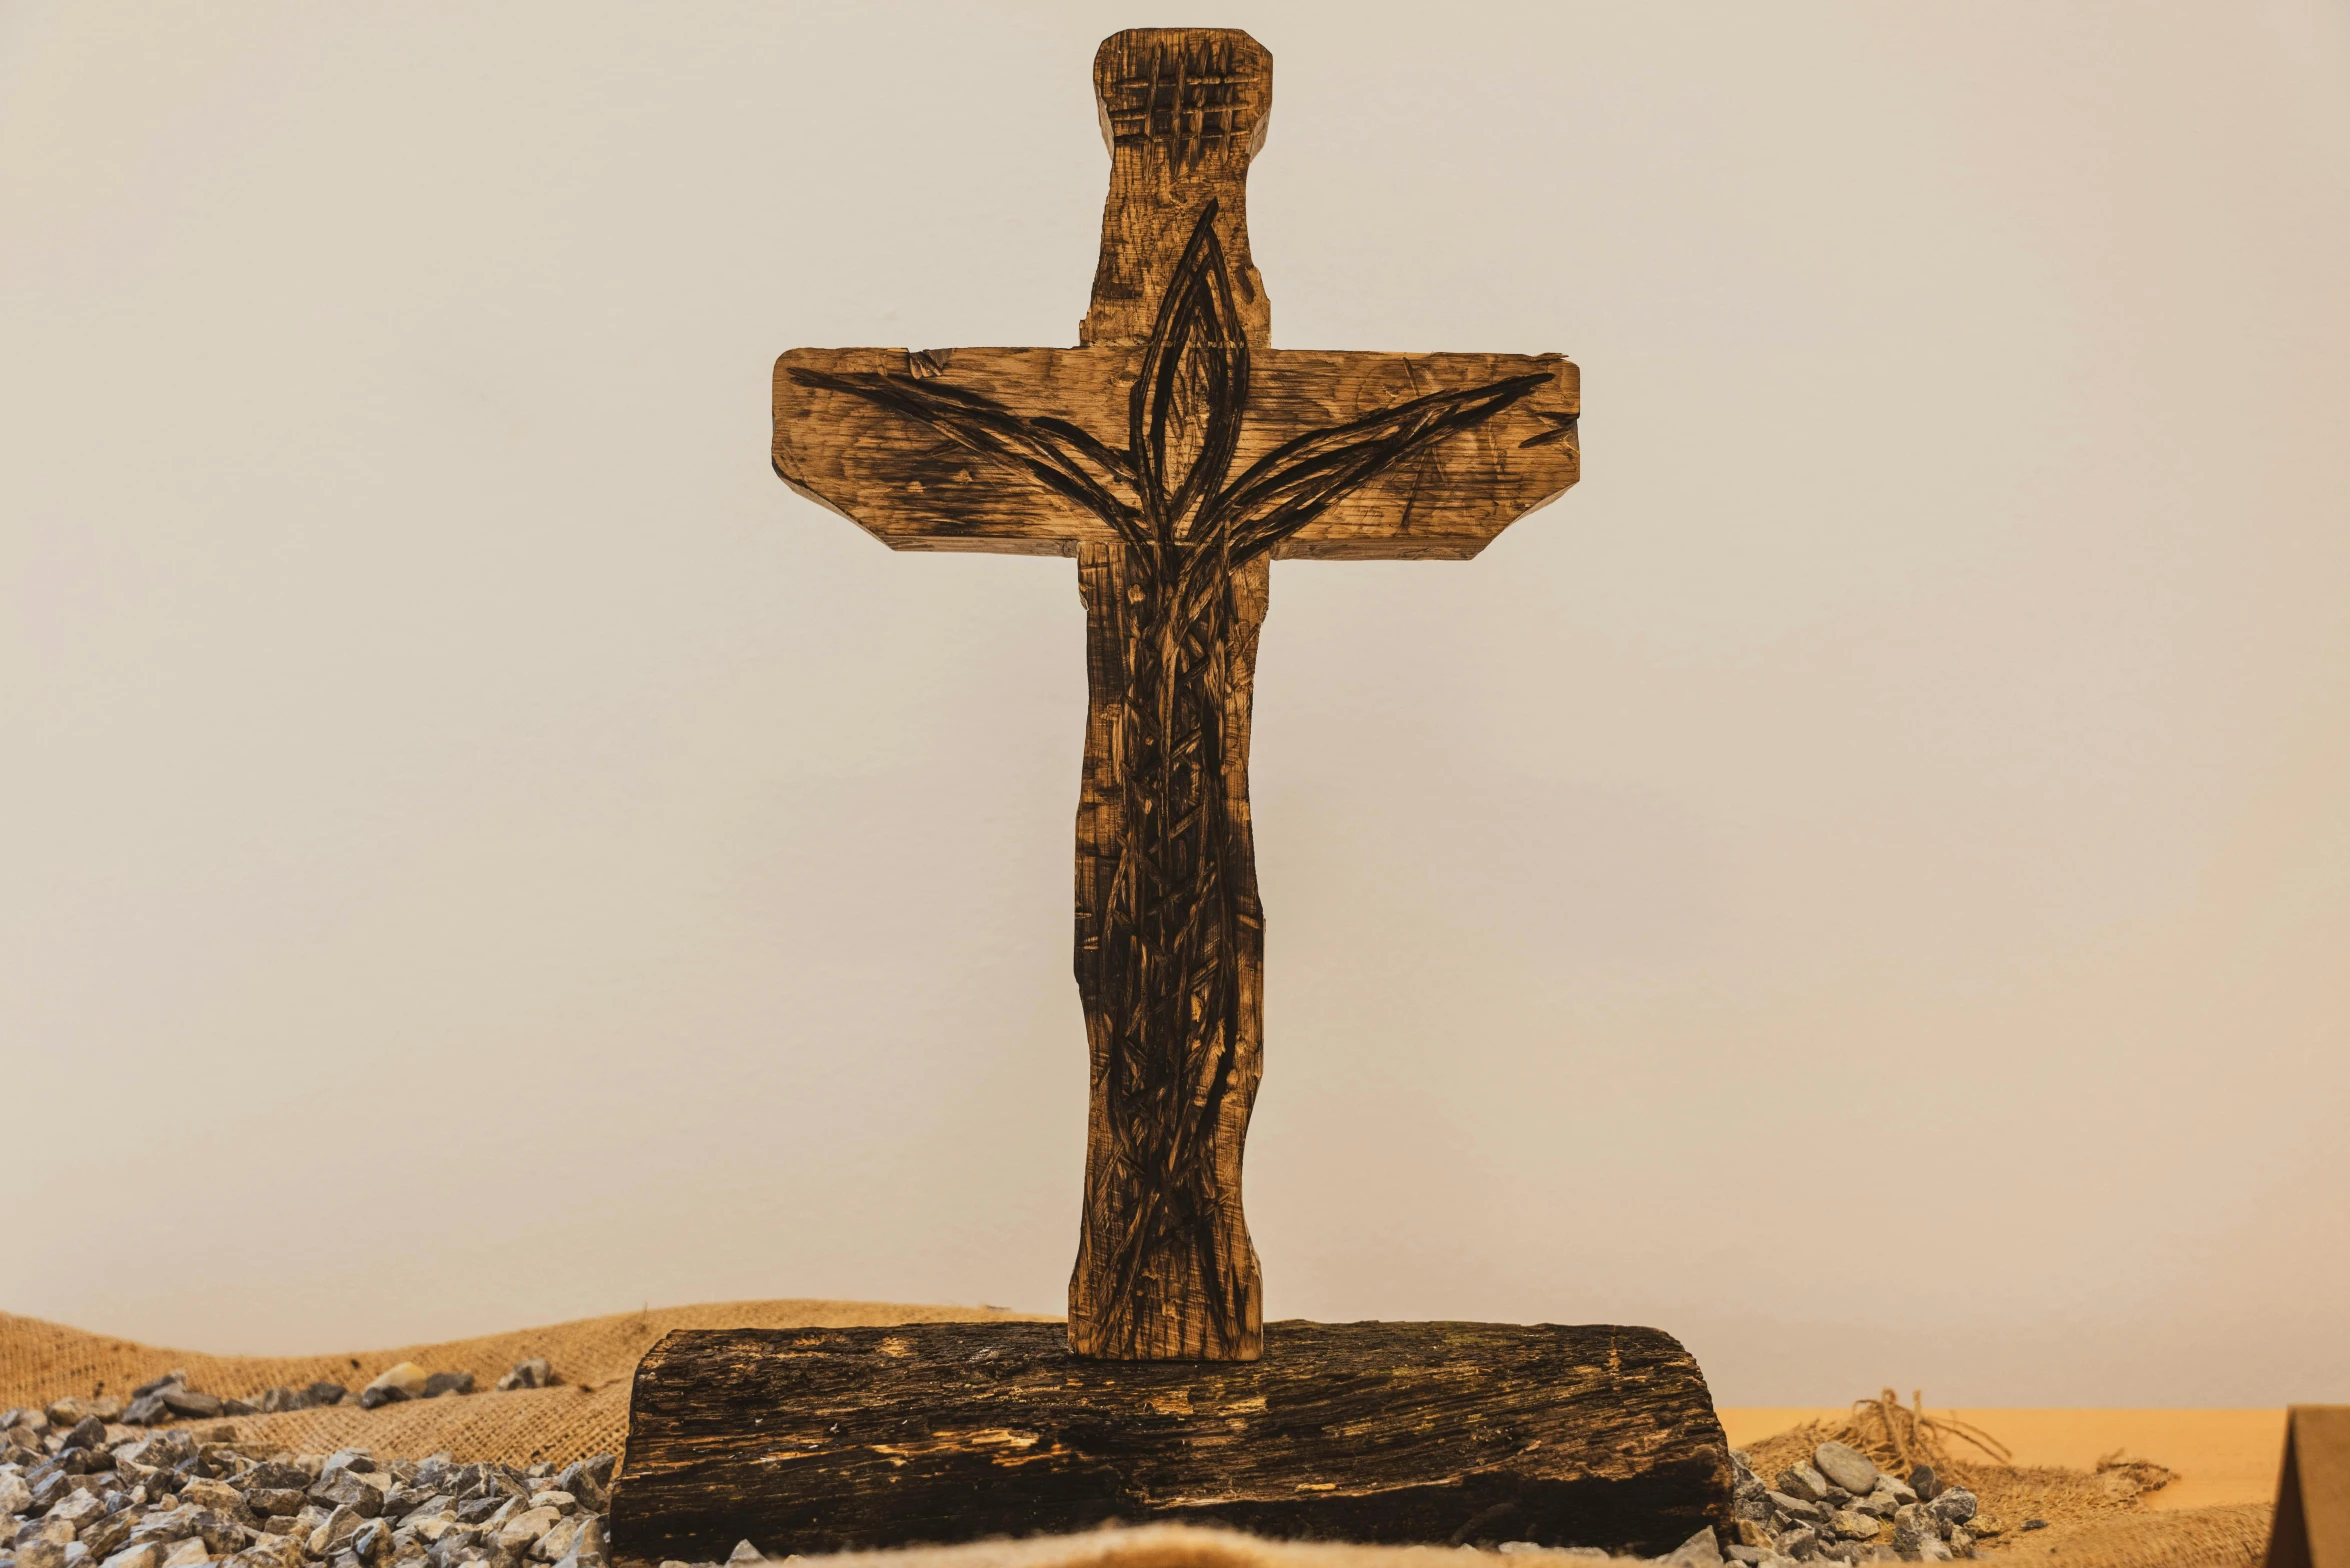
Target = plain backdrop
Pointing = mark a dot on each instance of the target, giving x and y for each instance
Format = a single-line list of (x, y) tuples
[(1863, 882)]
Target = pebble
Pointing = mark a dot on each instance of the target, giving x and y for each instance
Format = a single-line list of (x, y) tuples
[(1852, 1526), (1804, 1482), (534, 1373), (1922, 1481), (1846, 1467), (1699, 1551)]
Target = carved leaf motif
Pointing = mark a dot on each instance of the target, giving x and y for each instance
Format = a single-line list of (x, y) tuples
[(1056, 453), (1184, 412), (1299, 480)]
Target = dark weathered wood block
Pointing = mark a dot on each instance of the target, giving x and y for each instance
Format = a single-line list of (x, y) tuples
[(831, 1439)]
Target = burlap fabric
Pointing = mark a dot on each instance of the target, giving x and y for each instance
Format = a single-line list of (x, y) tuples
[(587, 1414), (2095, 1518)]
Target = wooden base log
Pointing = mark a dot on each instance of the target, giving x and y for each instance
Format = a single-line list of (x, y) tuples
[(834, 1439)]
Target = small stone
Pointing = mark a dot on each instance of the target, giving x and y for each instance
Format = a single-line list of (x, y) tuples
[(76, 1507), (559, 1539), (41, 1554), (273, 1501), (1900, 1491), (271, 1551), (588, 1545), (145, 1410), (1750, 1532), (192, 1403), (342, 1489), (1852, 1526), (218, 1496), (1961, 1544), (745, 1552), (57, 1532), (1911, 1525), (1932, 1549), (1922, 1480), (187, 1554), (1800, 1480), (323, 1393), (524, 1528), (534, 1373), (1699, 1551), (15, 1496), (1877, 1505), (1982, 1525), (1848, 1468), (105, 1537), (157, 1385), (371, 1541), (1797, 1508), (222, 1537), (406, 1376), (1955, 1505), (1744, 1554), (339, 1527), (144, 1555), (1799, 1542), (576, 1480), (447, 1383)]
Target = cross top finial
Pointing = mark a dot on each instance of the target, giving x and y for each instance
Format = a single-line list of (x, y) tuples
[(1185, 91), (1182, 111)]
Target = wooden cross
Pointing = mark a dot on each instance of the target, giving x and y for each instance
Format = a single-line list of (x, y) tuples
[(1174, 453)]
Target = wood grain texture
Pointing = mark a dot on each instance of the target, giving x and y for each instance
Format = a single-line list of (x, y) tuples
[(915, 488), (836, 1439), (1170, 968), (1175, 453)]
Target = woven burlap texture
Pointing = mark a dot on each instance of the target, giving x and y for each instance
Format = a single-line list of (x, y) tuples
[(2095, 1521), (586, 1414)]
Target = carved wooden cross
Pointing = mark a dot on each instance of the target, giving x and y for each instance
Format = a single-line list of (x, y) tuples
[(1174, 453)]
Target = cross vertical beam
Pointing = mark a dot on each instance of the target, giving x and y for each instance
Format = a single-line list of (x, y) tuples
[(1170, 930)]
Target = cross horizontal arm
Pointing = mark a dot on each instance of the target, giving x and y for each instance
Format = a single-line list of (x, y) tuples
[(845, 438)]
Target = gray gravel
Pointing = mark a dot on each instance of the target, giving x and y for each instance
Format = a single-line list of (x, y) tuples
[(1837, 1507), (80, 1490)]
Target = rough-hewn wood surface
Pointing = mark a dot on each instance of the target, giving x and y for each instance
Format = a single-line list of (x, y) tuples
[(829, 1439), (1176, 454), (916, 488)]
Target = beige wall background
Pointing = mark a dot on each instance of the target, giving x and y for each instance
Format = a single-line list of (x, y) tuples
[(1863, 882)]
